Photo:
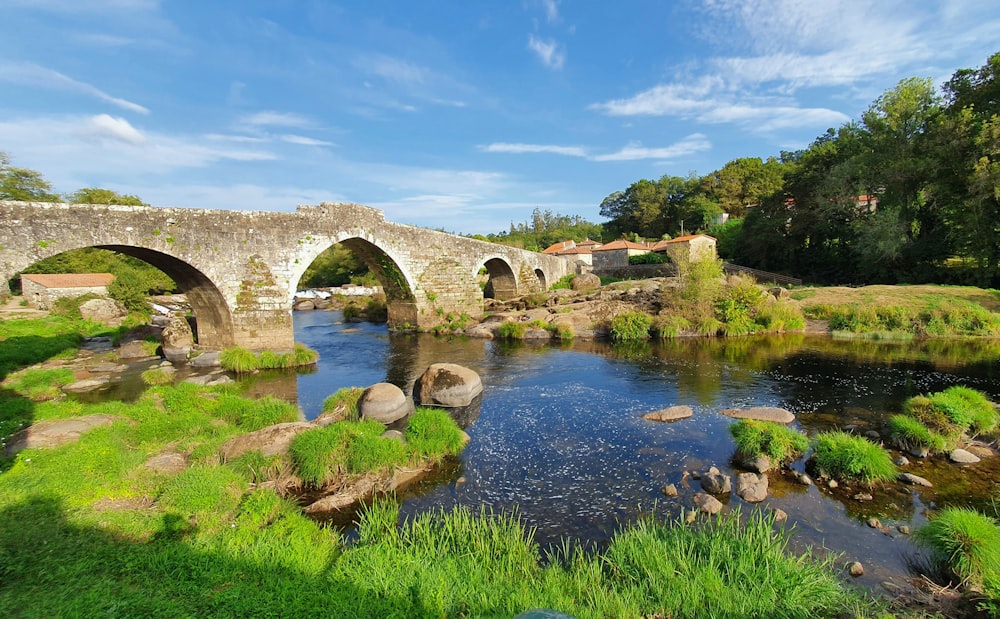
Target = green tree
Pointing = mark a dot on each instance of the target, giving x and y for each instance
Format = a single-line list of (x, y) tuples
[(96, 195), (336, 266), (23, 184), (744, 182)]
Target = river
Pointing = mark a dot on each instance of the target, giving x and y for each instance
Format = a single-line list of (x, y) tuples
[(560, 438)]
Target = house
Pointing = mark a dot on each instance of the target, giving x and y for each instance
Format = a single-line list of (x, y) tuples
[(615, 255), (556, 249), (688, 247), (41, 290), (579, 254)]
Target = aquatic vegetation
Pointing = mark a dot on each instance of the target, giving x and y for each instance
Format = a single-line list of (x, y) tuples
[(431, 433), (779, 443), (239, 360), (158, 376), (953, 412), (323, 454), (243, 361), (848, 457), (910, 433), (967, 543), (512, 330)]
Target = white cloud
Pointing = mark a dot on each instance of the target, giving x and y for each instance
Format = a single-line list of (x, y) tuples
[(691, 144), (246, 139), (240, 196), (664, 99), (392, 69), (105, 127), (548, 52), (30, 74), (304, 141), (551, 10), (270, 118), (519, 148)]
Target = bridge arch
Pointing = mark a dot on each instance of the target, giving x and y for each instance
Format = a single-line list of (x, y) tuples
[(395, 281), (213, 320), (502, 283), (540, 274)]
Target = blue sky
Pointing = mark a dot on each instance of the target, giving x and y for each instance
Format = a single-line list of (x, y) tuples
[(456, 115)]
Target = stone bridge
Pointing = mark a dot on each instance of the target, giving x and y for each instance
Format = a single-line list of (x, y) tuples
[(240, 269)]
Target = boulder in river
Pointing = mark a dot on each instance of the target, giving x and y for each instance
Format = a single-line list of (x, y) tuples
[(448, 385), (178, 340), (671, 413), (385, 403), (715, 482), (270, 441), (751, 487)]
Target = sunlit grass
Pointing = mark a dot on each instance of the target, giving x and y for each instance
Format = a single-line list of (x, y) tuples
[(848, 457)]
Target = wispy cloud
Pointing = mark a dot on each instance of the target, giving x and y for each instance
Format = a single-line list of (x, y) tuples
[(270, 118), (691, 144), (389, 81), (551, 8), (30, 74), (104, 127), (304, 141), (548, 52), (520, 148)]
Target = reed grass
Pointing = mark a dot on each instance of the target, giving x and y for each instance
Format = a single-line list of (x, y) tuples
[(629, 326), (967, 543), (347, 397), (779, 443), (239, 360), (848, 457), (432, 434)]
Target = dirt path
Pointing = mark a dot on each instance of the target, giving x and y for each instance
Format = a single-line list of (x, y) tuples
[(12, 308)]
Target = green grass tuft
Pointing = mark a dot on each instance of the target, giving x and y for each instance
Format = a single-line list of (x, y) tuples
[(158, 376), (630, 326), (512, 330), (323, 454), (347, 397), (39, 384), (848, 457), (431, 433), (779, 443), (239, 360), (909, 433), (967, 543)]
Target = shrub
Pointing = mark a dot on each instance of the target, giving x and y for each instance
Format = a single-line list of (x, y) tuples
[(512, 330), (671, 326), (779, 316), (853, 458), (739, 304), (967, 407), (564, 283), (376, 310), (908, 433), (432, 433), (239, 360), (779, 443), (630, 326), (965, 542), (649, 258)]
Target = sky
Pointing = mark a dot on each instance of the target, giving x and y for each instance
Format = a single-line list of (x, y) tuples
[(463, 116)]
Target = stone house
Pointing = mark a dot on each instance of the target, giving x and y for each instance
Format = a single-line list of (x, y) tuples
[(41, 290), (615, 255), (688, 247)]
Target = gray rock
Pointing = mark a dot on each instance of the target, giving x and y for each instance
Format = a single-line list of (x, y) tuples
[(862, 496), (779, 514), (88, 384), (707, 504), (54, 432), (672, 413), (270, 441), (751, 487), (874, 523), (135, 349), (919, 451), (537, 333), (803, 479), (904, 529), (961, 456), (715, 482), (304, 306), (854, 568), (916, 480), (760, 464), (222, 379), (761, 413), (207, 359), (449, 385), (901, 461), (178, 340), (105, 311), (385, 403), (481, 330)]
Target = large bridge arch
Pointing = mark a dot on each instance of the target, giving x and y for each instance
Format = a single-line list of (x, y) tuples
[(502, 283)]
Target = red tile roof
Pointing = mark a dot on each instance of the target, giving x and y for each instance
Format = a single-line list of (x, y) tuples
[(588, 243), (621, 244), (70, 280), (576, 251), (556, 248)]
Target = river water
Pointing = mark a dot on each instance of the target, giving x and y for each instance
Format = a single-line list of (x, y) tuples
[(560, 438)]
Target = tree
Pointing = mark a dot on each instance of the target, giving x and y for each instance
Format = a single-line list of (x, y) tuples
[(744, 182), (96, 195), (23, 184)]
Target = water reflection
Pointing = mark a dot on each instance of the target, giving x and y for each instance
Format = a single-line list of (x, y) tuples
[(560, 438)]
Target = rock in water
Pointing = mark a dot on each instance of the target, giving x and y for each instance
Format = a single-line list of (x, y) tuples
[(761, 413), (178, 340), (448, 385), (672, 413), (385, 403), (751, 487)]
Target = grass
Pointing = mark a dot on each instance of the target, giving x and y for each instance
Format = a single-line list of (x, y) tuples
[(512, 330), (630, 326), (847, 457), (158, 376), (954, 412), (910, 433), (967, 543), (432, 434), (252, 415), (243, 361), (347, 397), (39, 384), (779, 443), (349, 447)]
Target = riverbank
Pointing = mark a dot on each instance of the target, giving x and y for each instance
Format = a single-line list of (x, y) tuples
[(88, 526)]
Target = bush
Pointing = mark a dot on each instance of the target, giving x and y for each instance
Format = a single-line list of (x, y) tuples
[(671, 326), (737, 308), (779, 316), (432, 433), (967, 543), (779, 443), (848, 457), (909, 433), (512, 330), (304, 355), (630, 326), (564, 283), (649, 258), (251, 415), (239, 360)]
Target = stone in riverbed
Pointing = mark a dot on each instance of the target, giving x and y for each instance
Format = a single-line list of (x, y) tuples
[(448, 385), (714, 482), (89, 384), (761, 413), (385, 403), (707, 504), (671, 413), (270, 441), (178, 340), (916, 480), (751, 487), (961, 456), (54, 432)]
